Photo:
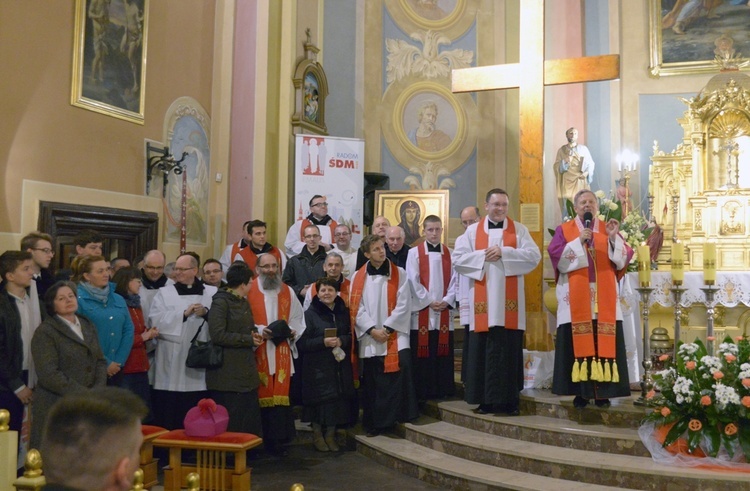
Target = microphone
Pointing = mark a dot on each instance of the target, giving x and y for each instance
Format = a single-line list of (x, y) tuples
[(587, 218)]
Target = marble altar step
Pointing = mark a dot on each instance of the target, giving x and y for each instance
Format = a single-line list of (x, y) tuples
[(451, 472)]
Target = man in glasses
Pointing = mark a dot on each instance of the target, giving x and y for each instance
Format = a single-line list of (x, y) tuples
[(343, 238), (179, 310), (303, 269), (42, 251), (295, 238)]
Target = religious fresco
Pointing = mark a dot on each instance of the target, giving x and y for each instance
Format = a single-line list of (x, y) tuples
[(428, 134)]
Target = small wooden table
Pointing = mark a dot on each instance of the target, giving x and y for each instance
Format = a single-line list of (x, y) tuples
[(149, 465), (212, 460)]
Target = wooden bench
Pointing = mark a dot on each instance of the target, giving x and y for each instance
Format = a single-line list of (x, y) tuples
[(211, 462), (149, 465)]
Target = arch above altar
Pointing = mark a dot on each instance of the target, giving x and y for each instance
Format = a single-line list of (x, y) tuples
[(701, 189)]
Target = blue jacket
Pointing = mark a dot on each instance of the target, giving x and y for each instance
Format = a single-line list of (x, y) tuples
[(112, 321)]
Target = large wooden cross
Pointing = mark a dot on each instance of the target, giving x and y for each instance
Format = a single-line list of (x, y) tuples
[(530, 76)]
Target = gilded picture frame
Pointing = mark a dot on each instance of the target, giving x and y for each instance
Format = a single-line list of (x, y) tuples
[(685, 40), (408, 209), (109, 57)]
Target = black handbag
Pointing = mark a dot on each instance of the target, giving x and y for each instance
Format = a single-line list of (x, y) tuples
[(204, 354)]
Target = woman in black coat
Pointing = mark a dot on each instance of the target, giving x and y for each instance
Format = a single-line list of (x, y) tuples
[(327, 382)]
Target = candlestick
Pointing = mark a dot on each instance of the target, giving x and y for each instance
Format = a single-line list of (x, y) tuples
[(710, 292), (644, 265), (647, 382), (677, 294), (709, 263), (678, 261)]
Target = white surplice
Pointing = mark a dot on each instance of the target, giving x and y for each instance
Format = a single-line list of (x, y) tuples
[(423, 297), (296, 322)]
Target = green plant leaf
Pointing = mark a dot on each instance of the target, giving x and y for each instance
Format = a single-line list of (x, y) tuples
[(694, 439), (713, 440), (744, 437), (676, 432)]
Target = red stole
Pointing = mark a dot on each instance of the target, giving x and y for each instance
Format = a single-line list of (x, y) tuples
[(481, 315), (605, 297), (423, 337), (249, 256), (273, 390), (306, 223), (391, 357), (343, 292)]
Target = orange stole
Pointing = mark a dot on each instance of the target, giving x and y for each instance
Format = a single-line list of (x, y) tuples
[(423, 335), (250, 257), (481, 314), (343, 293), (306, 223), (584, 344), (391, 357), (273, 390)]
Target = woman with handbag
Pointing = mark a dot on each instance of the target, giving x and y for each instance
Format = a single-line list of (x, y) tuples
[(234, 385), (327, 382)]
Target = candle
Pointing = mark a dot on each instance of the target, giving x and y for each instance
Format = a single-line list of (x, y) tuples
[(644, 265), (709, 263), (678, 258)]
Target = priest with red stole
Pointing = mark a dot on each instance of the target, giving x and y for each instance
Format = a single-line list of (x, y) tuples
[(252, 245), (279, 318), (295, 237), (494, 254), (589, 257), (430, 272), (380, 308)]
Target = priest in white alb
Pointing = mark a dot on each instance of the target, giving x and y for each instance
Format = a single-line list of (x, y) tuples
[(432, 279), (380, 302), (179, 310), (494, 254)]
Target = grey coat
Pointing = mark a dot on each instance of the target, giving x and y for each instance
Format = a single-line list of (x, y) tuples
[(231, 326), (64, 364)]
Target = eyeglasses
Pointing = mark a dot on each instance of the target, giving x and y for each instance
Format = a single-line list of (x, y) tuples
[(182, 270), (319, 204), (312, 236), (341, 234), (45, 250)]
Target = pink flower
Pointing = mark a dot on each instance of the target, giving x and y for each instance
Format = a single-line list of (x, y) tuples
[(746, 401), (664, 358), (729, 357), (746, 382), (665, 411), (706, 400), (710, 338), (690, 365), (718, 375), (651, 394)]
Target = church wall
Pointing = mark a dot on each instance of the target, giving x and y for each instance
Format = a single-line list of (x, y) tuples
[(43, 138), (339, 62)]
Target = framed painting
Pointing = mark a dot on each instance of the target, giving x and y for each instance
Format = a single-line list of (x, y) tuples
[(311, 90), (408, 209), (109, 57), (687, 36)]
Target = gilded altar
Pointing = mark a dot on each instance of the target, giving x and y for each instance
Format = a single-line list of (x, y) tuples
[(701, 189)]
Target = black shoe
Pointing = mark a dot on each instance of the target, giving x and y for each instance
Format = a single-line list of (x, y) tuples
[(511, 411), (373, 432), (604, 403), (580, 403), (484, 409)]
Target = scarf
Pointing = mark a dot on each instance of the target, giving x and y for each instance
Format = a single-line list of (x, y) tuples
[(423, 336), (311, 220), (133, 300), (586, 342), (481, 315), (153, 285), (391, 357), (101, 295), (274, 387), (344, 286)]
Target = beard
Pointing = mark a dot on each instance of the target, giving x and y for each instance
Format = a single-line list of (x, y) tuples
[(270, 282)]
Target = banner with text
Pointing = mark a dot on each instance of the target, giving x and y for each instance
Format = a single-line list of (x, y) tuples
[(332, 167)]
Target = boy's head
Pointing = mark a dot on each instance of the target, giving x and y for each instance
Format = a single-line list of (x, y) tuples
[(16, 268)]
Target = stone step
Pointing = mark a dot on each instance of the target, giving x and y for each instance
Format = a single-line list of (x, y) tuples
[(546, 430), (451, 472), (585, 466)]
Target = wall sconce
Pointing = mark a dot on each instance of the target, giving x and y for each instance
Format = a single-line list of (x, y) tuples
[(162, 161)]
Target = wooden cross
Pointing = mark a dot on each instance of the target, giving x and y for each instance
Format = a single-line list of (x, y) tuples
[(530, 76)]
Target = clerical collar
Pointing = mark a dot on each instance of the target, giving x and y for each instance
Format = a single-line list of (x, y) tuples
[(266, 248), (432, 248), (195, 289), (319, 221), (491, 224), (383, 270), (153, 285)]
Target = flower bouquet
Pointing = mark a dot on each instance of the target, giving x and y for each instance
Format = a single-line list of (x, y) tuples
[(704, 400)]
